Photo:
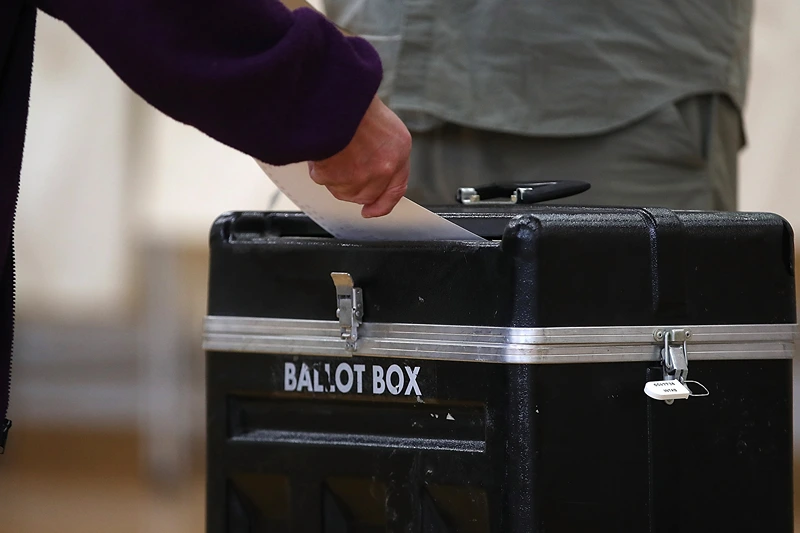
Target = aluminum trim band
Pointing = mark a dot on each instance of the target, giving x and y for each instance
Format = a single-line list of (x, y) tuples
[(493, 344)]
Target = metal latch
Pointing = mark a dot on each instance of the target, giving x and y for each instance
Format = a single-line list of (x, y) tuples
[(675, 363), (350, 308), (470, 195), (674, 355)]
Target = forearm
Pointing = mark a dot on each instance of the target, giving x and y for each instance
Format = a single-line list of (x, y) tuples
[(278, 85)]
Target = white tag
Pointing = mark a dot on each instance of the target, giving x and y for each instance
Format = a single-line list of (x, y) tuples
[(667, 390)]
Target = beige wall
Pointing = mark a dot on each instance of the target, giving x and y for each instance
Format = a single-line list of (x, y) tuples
[(770, 166), (72, 238)]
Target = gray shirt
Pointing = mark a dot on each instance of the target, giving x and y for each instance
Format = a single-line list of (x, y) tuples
[(550, 67)]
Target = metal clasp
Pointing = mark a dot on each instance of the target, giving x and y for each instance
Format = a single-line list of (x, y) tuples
[(674, 355), (350, 308), (470, 195), (675, 364)]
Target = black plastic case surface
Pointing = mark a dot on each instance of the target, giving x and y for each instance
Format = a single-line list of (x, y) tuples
[(502, 447)]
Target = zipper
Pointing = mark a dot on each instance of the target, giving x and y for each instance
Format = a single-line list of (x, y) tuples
[(4, 434), (5, 423), (18, 58)]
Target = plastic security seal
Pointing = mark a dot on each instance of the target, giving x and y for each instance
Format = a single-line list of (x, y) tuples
[(670, 390), (667, 390)]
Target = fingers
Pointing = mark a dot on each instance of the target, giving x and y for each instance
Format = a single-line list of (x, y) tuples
[(360, 190), (373, 169), (360, 184), (390, 196), (379, 192), (364, 196)]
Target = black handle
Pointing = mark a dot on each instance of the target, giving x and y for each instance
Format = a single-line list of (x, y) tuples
[(521, 193)]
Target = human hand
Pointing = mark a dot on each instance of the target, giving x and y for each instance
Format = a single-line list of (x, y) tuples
[(373, 169)]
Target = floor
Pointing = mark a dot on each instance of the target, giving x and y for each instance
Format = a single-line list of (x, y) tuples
[(90, 482), (87, 482)]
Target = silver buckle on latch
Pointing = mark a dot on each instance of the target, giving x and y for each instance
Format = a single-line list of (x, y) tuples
[(350, 308), (468, 195), (675, 363), (674, 355)]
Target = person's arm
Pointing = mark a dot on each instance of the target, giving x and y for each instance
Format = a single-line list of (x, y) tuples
[(282, 86)]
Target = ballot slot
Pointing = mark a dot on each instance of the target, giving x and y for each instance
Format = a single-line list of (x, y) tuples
[(262, 227)]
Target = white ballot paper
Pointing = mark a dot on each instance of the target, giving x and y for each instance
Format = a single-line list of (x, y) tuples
[(407, 222)]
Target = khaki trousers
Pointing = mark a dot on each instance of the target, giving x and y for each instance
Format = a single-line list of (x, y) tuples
[(682, 156)]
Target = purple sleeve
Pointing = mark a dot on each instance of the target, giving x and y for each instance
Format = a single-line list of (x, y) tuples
[(282, 86)]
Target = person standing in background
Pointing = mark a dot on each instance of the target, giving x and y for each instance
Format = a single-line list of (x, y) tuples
[(281, 86), (641, 99)]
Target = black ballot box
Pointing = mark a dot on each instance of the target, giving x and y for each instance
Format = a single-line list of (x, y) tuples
[(581, 370)]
